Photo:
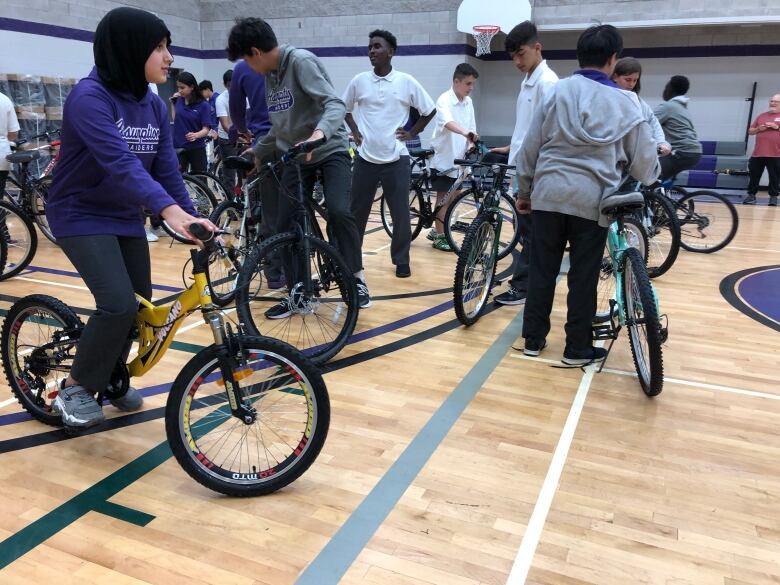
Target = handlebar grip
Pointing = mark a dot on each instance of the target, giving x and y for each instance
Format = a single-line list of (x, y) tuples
[(309, 146), (200, 232)]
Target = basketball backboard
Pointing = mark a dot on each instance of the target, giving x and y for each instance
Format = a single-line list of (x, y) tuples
[(504, 13)]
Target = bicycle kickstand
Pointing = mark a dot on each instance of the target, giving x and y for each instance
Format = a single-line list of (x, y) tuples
[(606, 357)]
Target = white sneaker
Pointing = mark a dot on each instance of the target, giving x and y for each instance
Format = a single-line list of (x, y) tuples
[(150, 235)]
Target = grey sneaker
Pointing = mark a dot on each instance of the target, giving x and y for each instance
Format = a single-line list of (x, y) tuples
[(773, 201), (77, 407), (129, 402), (749, 199)]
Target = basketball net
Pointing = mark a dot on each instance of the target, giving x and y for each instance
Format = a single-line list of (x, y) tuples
[(483, 35)]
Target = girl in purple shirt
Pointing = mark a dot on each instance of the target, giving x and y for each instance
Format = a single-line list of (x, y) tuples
[(191, 123), (117, 159)]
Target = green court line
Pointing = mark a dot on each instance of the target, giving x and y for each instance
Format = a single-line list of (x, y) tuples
[(121, 512)]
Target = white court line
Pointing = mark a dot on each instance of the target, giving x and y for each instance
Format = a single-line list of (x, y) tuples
[(751, 249), (525, 555), (380, 249), (61, 284), (693, 383), (5, 403)]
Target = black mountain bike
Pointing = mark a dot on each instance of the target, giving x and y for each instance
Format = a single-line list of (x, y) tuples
[(320, 293)]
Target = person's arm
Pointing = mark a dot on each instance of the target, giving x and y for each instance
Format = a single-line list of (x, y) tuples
[(662, 145), (528, 157), (661, 112), (318, 87), (12, 124), (237, 102), (265, 146), (639, 144), (353, 127), (423, 103), (755, 128), (349, 100), (222, 113)]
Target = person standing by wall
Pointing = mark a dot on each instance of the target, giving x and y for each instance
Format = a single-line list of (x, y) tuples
[(191, 123), (766, 152), (382, 98)]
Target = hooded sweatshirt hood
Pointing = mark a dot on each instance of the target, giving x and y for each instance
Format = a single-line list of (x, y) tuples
[(124, 39)]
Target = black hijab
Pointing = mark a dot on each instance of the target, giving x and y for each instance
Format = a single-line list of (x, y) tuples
[(124, 39)]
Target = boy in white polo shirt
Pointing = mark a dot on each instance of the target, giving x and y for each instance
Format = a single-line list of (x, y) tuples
[(9, 129), (456, 128), (383, 97)]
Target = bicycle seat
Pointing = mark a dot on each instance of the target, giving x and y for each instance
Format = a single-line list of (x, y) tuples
[(421, 152), (239, 163), (621, 203), (25, 156)]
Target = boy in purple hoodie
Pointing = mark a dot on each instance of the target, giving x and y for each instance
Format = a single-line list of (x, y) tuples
[(117, 159)]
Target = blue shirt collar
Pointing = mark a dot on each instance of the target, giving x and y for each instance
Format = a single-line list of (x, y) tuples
[(595, 75)]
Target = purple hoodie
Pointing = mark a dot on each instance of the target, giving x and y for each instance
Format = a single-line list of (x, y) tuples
[(117, 159), (247, 84)]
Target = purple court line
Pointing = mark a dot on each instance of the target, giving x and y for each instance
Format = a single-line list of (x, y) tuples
[(72, 274), (17, 417)]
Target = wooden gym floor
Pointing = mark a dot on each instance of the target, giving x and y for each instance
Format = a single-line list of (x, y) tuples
[(451, 458)]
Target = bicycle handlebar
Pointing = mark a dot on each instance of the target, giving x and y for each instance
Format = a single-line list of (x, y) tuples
[(303, 148), (200, 232)]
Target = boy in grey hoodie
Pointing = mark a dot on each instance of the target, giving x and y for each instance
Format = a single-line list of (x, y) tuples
[(584, 140), (303, 106)]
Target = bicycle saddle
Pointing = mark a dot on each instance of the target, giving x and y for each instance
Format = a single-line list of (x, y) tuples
[(621, 203), (22, 157), (239, 163), (421, 152)]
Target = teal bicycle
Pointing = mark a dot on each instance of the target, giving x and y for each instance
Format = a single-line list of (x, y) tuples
[(634, 304)]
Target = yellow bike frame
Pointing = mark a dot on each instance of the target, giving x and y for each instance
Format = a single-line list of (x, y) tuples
[(157, 324)]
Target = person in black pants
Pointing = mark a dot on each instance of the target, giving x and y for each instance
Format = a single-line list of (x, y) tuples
[(191, 123), (117, 159), (766, 153), (581, 141)]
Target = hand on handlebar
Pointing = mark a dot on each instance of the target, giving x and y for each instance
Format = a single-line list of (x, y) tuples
[(180, 221), (315, 136)]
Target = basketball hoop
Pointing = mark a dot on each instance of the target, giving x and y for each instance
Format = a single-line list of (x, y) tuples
[(484, 33)]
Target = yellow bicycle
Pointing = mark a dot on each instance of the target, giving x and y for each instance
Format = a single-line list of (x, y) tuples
[(246, 415)]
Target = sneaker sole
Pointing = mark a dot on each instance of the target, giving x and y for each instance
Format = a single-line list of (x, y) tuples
[(581, 361), (282, 316), (520, 302), (71, 421), (532, 352), (366, 305)]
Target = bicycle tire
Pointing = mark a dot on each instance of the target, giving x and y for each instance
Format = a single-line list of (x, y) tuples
[(21, 239), (461, 208), (216, 185), (202, 199), (642, 320), (697, 214), (477, 249), (415, 209), (636, 237), (225, 262), (333, 309), (663, 234), (293, 382), (37, 204), (25, 377), (3, 249)]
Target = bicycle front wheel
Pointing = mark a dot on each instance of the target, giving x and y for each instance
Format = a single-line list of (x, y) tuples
[(237, 457), (475, 270), (708, 221), (643, 322), (467, 207), (663, 234), (315, 317), (415, 211), (38, 342), (217, 187), (21, 239)]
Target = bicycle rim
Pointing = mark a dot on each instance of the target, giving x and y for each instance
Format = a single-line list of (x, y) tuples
[(708, 221), (475, 271), (21, 239), (260, 456)]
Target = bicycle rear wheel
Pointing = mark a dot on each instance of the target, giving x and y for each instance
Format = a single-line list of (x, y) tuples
[(663, 234), (38, 196), (21, 239), (202, 199), (415, 210), (466, 207), (708, 221), (643, 322), (34, 328), (636, 237), (318, 322), (476, 269), (217, 187), (238, 458)]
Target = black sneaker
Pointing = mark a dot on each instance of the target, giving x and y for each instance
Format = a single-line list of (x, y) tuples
[(403, 271), (583, 357), (364, 300), (773, 201), (511, 297), (749, 200), (533, 347), (280, 310)]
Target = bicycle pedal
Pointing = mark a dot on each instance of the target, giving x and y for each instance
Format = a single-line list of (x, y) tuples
[(604, 332)]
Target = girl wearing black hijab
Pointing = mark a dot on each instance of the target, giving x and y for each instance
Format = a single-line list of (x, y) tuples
[(117, 159)]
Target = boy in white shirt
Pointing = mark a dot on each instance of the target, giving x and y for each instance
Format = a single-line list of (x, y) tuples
[(222, 107), (9, 130), (456, 130), (383, 98)]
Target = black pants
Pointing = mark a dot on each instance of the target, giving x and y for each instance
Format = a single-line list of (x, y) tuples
[(227, 149), (336, 183), (586, 238), (756, 166), (268, 195), (677, 162), (395, 178), (113, 268), (521, 262), (193, 160)]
